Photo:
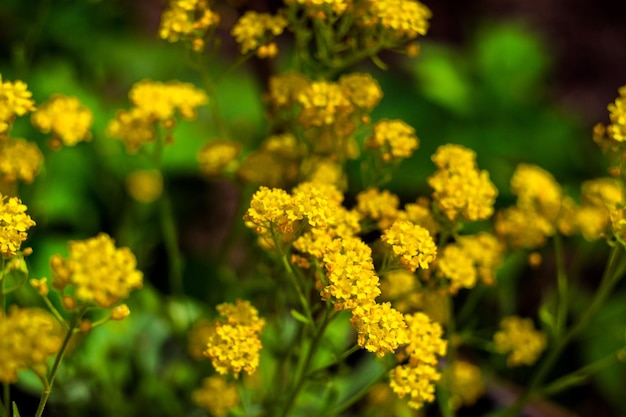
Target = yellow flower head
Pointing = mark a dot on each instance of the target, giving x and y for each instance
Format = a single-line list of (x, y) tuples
[(15, 100), (284, 88), (459, 188), (425, 340), (234, 344), (394, 139), (145, 186), (19, 160), (161, 100), (401, 18), (415, 382), (400, 287), (217, 396), (28, 337), (412, 244), (254, 30), (189, 20), (362, 90), (617, 113), (381, 206), (537, 190), (321, 8), (322, 103), (520, 340), (419, 213), (457, 266), (66, 117), (99, 272), (14, 223), (464, 380), (381, 329), (217, 155), (487, 253), (134, 127)]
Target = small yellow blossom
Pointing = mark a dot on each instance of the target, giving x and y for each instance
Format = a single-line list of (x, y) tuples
[(459, 188), (457, 266), (145, 186), (134, 127), (419, 213), (319, 8), (520, 340), (617, 113), (522, 228), (487, 253), (362, 90), (19, 159), (403, 18), (40, 285), (14, 223), (381, 206), (323, 103), (66, 117), (284, 88), (28, 337), (161, 100), (189, 20), (381, 329), (120, 312), (537, 191), (217, 396), (394, 139), (215, 156), (412, 244), (425, 340), (268, 208), (234, 343), (400, 287), (15, 100), (254, 30), (464, 381), (97, 270), (415, 382)]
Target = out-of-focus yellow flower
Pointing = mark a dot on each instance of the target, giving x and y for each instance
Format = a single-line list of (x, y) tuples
[(66, 118), (617, 113), (394, 139), (254, 30), (145, 186), (362, 90), (198, 339), (402, 18), (14, 223), (457, 266), (189, 20), (99, 272), (133, 127), (381, 206), (216, 156), (28, 337), (464, 380), (217, 396), (322, 103), (519, 338), (15, 100), (19, 160)]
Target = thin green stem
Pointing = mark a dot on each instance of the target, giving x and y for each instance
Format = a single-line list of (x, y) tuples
[(444, 404), (609, 279), (302, 372), (6, 396), (170, 237), (57, 361), (301, 297), (561, 277), (336, 361)]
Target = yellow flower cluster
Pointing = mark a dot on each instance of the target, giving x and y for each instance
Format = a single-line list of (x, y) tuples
[(402, 18), (254, 31), (234, 342), (601, 202), (459, 188), (420, 213), (416, 378), (15, 100), (66, 117), (394, 139), (321, 8), (465, 383), (381, 329), (154, 102), (19, 159), (381, 206), (400, 287), (412, 244), (97, 271), (189, 20), (457, 266), (215, 156), (28, 337), (617, 113), (145, 186), (520, 340), (217, 396), (14, 223), (541, 208)]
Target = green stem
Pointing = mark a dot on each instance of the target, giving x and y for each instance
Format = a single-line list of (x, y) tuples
[(301, 297), (170, 237), (302, 371), (609, 280), (561, 276), (57, 361), (444, 403), (336, 361), (470, 304), (6, 395)]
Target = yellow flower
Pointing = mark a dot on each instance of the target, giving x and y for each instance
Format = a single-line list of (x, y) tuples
[(19, 159), (486, 251), (254, 30), (66, 117), (416, 382), (419, 213), (459, 188), (537, 190), (99, 272), (217, 155), (15, 100), (401, 288), (322, 103), (455, 265), (381, 329), (198, 339), (381, 206), (189, 20), (161, 100), (134, 127), (403, 18), (520, 340), (14, 223), (268, 208), (217, 396), (284, 88), (394, 139), (362, 90), (234, 343), (28, 337), (318, 8), (425, 340), (464, 380), (412, 244), (145, 186), (617, 113)]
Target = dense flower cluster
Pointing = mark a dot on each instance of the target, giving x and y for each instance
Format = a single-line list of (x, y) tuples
[(464, 380), (19, 160), (416, 378), (412, 244), (381, 206), (381, 329), (617, 113), (15, 100), (460, 189), (154, 102), (520, 340), (215, 156), (234, 343), (28, 337), (394, 139), (97, 271), (254, 31), (217, 396), (66, 118), (189, 20), (14, 223)]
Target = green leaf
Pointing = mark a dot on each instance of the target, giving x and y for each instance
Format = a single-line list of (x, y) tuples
[(298, 316), (16, 412)]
